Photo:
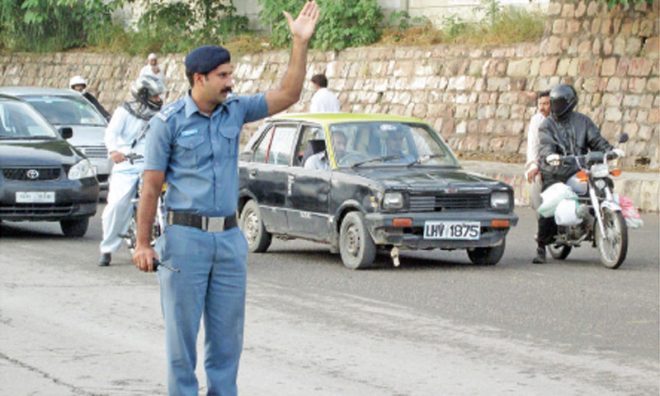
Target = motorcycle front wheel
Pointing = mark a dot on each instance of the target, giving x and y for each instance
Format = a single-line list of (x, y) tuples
[(559, 252), (613, 246)]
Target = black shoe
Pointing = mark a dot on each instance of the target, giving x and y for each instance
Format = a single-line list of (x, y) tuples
[(104, 260), (540, 255)]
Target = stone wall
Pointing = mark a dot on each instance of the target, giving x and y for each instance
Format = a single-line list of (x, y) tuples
[(612, 57), (480, 99)]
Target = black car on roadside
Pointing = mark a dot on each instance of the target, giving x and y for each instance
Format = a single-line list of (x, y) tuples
[(364, 183), (68, 108), (43, 177)]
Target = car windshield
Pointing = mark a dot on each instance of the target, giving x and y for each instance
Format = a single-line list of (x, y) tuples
[(379, 143), (19, 121), (66, 110)]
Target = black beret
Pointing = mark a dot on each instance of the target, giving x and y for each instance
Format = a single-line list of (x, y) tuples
[(204, 59)]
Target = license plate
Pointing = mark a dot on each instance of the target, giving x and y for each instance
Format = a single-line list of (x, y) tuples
[(35, 197), (464, 230)]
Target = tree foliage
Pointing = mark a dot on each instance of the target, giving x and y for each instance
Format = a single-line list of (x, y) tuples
[(343, 23), (46, 25), (178, 26)]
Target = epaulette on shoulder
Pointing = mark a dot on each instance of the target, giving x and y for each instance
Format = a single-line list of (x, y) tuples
[(169, 110)]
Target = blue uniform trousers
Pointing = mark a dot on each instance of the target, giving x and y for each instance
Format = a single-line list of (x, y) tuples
[(211, 283)]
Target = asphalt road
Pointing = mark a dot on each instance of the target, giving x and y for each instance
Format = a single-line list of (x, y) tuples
[(435, 325)]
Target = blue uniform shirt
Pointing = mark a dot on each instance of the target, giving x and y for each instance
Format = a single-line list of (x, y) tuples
[(199, 154)]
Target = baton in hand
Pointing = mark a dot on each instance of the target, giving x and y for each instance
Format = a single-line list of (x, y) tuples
[(157, 264)]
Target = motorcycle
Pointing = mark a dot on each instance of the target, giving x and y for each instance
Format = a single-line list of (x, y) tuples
[(602, 222), (130, 237)]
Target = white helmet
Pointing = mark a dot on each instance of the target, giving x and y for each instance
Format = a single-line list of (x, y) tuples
[(77, 80), (145, 87)]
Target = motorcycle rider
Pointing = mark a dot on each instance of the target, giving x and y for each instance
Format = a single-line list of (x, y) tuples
[(565, 132), (124, 135)]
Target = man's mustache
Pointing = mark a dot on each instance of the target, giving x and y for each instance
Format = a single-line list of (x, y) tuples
[(227, 90)]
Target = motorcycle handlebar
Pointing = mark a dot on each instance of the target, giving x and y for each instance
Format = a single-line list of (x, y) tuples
[(591, 157), (131, 157)]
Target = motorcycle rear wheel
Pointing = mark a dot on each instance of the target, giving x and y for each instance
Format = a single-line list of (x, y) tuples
[(559, 252), (614, 248)]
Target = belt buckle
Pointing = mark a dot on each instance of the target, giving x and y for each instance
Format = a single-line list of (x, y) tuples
[(214, 224)]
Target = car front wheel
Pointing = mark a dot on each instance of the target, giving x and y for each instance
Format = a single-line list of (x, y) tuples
[(356, 247), (257, 237), (74, 228), (487, 255)]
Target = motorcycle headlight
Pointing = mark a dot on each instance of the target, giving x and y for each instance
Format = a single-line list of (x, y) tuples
[(393, 200), (599, 170), (500, 200), (81, 170)]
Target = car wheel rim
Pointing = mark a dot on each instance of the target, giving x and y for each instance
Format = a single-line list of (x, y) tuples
[(251, 227), (353, 241)]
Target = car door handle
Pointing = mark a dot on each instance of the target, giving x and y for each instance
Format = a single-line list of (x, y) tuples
[(253, 173)]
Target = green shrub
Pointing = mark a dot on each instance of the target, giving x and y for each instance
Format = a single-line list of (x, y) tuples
[(51, 25), (55, 25), (164, 28), (343, 23), (614, 3), (497, 25), (180, 26)]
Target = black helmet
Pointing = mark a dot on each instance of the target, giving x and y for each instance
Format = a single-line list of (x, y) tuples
[(145, 87), (563, 100)]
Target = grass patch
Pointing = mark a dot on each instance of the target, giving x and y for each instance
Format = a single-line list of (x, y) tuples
[(168, 29), (503, 26)]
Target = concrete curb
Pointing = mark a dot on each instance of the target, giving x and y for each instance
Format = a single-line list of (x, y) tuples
[(642, 188)]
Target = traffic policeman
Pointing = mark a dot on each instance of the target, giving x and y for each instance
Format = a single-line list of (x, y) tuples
[(193, 145)]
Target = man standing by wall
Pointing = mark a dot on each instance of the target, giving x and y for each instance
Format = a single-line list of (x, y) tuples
[(532, 172), (152, 68), (323, 100), (193, 144)]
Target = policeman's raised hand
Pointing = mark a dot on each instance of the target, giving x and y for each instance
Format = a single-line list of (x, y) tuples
[(117, 157), (553, 159), (143, 258), (303, 26)]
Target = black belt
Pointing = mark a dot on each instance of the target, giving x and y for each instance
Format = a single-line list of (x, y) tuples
[(204, 223)]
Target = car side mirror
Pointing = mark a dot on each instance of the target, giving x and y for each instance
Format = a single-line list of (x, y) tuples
[(66, 132), (623, 137)]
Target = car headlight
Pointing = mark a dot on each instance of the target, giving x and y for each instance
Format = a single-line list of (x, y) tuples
[(82, 170), (500, 200), (393, 200)]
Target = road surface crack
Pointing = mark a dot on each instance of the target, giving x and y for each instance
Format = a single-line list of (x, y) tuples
[(47, 376)]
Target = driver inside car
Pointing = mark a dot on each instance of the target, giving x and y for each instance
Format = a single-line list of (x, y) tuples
[(320, 160), (396, 146)]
